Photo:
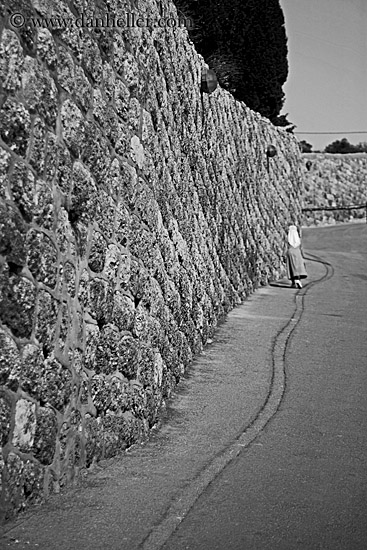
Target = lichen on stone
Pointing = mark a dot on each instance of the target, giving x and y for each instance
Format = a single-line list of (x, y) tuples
[(25, 425), (42, 258), (5, 414), (73, 126), (11, 61), (39, 91), (46, 47), (15, 123), (17, 303)]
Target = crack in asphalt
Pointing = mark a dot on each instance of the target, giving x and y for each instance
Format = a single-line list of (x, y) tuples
[(180, 507)]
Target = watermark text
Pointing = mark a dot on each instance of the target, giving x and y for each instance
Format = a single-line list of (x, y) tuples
[(107, 21)]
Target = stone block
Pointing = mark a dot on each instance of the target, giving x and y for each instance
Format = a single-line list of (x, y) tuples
[(112, 263), (116, 435), (69, 277), (128, 184), (95, 152), (38, 147), (154, 401), (73, 126), (13, 482), (147, 372), (138, 280), (113, 180), (64, 167), (39, 91), (124, 272), (121, 99), (65, 336), (91, 340), (118, 55), (64, 234), (31, 368), (45, 48), (123, 314), (4, 180), (94, 439), (42, 258), (97, 253), (133, 121), (55, 384), (107, 351), (17, 303), (5, 415), (109, 80), (82, 89), (91, 59), (11, 61), (66, 70), (13, 233), (128, 363), (84, 201), (25, 425), (100, 392), (137, 402), (15, 124), (101, 301), (45, 206), (105, 214), (83, 288), (33, 482), (120, 398), (141, 323), (122, 139), (130, 71)]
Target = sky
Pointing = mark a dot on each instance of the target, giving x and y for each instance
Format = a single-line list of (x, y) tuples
[(326, 89)]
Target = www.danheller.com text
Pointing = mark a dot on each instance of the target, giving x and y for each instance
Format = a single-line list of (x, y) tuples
[(107, 20)]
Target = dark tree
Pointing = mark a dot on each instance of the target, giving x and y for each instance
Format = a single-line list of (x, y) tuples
[(282, 120), (343, 146), (305, 146), (245, 42)]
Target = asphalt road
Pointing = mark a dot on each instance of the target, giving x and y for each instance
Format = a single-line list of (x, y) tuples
[(264, 444), (302, 483)]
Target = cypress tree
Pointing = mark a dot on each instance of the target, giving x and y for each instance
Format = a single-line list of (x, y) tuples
[(245, 42)]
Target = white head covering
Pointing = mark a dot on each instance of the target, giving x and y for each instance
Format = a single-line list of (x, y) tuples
[(293, 237)]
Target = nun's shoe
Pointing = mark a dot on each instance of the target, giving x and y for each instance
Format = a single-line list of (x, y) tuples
[(298, 284)]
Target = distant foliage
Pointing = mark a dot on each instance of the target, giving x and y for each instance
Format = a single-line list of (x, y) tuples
[(343, 146), (282, 120), (305, 146), (245, 42)]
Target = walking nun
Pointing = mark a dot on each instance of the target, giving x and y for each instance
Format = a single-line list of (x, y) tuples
[(295, 265)]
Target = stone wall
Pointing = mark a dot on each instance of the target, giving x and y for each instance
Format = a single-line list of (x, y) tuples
[(334, 180), (134, 214)]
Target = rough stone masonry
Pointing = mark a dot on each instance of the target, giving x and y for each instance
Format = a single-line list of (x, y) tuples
[(134, 213), (336, 181)]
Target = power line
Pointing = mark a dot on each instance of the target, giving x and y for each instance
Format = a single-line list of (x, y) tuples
[(328, 133)]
